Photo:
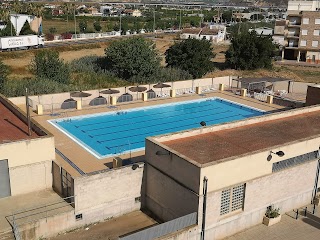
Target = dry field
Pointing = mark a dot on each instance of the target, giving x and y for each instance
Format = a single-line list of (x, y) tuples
[(19, 61)]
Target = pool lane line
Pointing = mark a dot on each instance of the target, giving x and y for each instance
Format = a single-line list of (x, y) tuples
[(165, 129), (153, 125), (128, 121), (133, 117)]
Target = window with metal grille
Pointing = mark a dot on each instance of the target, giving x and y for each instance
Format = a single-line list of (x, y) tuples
[(291, 162), (232, 199)]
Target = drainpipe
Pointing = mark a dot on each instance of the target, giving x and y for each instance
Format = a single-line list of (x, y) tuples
[(28, 113), (317, 178), (204, 207)]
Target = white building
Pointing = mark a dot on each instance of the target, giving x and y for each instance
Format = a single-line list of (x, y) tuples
[(216, 33), (264, 31), (18, 20)]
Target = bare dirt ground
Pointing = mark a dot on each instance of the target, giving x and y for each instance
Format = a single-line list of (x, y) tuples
[(19, 62), (110, 230)]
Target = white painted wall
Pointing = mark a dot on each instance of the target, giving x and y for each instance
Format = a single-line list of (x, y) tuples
[(108, 194), (54, 101)]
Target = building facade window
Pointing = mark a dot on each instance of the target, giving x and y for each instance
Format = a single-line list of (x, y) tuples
[(232, 199), (317, 21), (316, 32), (305, 20), (303, 43), (314, 43), (304, 32)]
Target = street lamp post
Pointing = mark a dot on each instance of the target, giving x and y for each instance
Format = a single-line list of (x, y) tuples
[(75, 21)]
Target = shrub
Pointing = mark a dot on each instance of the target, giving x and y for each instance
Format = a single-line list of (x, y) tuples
[(49, 37), (85, 64), (272, 212), (38, 86), (163, 75), (46, 64), (66, 35)]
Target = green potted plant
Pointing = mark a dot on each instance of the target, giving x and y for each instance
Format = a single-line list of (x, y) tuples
[(272, 216)]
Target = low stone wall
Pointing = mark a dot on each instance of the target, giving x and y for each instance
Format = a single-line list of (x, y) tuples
[(51, 102)]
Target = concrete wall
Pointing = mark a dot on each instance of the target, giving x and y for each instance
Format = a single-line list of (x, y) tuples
[(191, 233), (108, 194), (30, 178), (173, 165), (287, 189), (50, 226), (55, 101), (29, 164), (313, 96), (246, 168), (166, 198)]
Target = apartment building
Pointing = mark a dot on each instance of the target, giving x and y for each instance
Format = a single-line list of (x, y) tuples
[(301, 32)]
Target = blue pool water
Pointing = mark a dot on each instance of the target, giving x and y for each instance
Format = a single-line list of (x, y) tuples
[(112, 133)]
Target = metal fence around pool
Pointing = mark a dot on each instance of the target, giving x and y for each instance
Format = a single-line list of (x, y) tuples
[(163, 229)]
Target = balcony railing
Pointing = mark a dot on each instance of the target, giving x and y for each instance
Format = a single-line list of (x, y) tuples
[(294, 24)]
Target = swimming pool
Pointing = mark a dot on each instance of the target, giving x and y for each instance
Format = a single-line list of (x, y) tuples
[(119, 132)]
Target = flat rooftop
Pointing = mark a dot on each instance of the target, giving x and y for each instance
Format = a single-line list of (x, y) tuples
[(12, 127), (223, 144)]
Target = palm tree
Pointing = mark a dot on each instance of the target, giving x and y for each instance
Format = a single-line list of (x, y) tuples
[(17, 8), (74, 7), (67, 7)]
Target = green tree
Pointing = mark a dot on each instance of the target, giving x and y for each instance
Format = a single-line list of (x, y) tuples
[(135, 56), (227, 16), (5, 17), (46, 64), (250, 51), (67, 10), (97, 26), (53, 30), (26, 30), (3, 75), (83, 25), (191, 55)]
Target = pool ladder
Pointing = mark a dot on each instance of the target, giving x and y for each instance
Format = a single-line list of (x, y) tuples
[(65, 116)]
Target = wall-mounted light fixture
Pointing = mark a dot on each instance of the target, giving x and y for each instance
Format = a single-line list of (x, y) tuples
[(135, 166), (162, 153), (203, 123), (279, 153)]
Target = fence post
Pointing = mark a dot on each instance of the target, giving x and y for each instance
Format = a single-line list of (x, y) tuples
[(79, 105), (144, 97), (198, 90), (172, 93), (270, 99), (243, 92), (305, 211), (39, 109), (113, 100)]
